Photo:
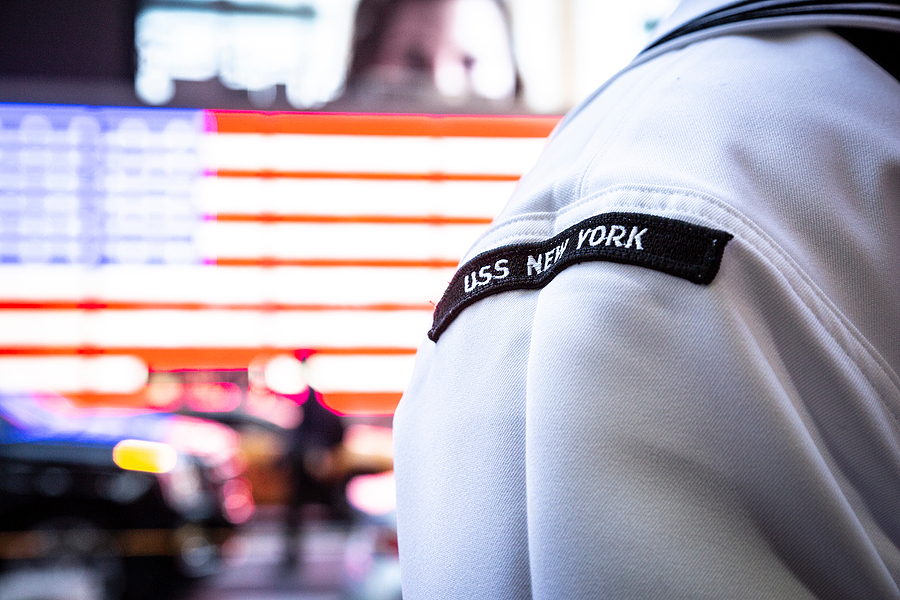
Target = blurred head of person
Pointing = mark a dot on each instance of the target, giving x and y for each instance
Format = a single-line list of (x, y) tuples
[(442, 53)]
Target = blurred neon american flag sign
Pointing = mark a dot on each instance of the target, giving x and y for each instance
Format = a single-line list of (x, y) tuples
[(177, 240)]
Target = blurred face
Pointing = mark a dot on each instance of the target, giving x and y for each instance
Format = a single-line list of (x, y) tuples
[(461, 47)]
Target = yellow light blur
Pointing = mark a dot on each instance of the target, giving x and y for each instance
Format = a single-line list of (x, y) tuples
[(139, 455)]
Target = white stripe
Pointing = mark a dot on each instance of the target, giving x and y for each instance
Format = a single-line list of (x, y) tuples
[(327, 373), (335, 241), (213, 328), (224, 285), (401, 329), (353, 197), (370, 153)]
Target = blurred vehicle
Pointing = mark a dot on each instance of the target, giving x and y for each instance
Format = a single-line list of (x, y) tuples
[(371, 556), (131, 501), (260, 419)]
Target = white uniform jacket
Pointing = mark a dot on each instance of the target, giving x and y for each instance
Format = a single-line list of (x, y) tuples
[(670, 367)]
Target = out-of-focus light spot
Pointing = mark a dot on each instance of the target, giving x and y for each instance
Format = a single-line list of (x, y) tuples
[(450, 78), (273, 408), (203, 438), (237, 501), (164, 392), (154, 86), (374, 495), (284, 375), (301, 49), (213, 396), (73, 374), (180, 135), (369, 439), (132, 133), (112, 374), (35, 129), (481, 31), (83, 130), (140, 455)]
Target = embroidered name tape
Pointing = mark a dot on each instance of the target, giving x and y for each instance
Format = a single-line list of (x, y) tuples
[(675, 247)]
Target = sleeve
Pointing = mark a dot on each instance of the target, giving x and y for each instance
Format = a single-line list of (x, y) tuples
[(671, 449)]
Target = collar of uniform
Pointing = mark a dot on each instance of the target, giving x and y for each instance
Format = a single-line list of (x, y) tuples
[(781, 15), (691, 10), (685, 12)]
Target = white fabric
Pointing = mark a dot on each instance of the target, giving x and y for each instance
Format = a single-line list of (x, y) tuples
[(623, 433)]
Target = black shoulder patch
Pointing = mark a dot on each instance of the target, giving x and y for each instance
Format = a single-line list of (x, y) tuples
[(675, 247)]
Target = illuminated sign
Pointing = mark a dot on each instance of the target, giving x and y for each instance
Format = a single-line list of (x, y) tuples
[(98, 186), (213, 240), (244, 45)]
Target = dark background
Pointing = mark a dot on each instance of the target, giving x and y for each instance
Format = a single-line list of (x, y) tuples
[(68, 39), (82, 52), (68, 51)]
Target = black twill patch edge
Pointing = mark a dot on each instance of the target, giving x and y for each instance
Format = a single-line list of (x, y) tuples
[(691, 252)]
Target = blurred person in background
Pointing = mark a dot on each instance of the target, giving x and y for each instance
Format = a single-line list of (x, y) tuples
[(450, 56), (669, 369), (315, 471)]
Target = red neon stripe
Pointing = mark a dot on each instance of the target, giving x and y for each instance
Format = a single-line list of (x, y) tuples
[(356, 403), (243, 351), (370, 176), (180, 359), (430, 263), (226, 121), (135, 305), (361, 219), (350, 403), (89, 399)]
